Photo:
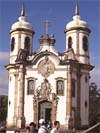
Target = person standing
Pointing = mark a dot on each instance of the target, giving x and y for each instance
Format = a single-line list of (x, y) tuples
[(27, 129), (33, 128), (42, 128), (56, 127), (17, 131)]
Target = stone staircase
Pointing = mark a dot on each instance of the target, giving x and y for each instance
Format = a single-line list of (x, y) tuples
[(93, 129)]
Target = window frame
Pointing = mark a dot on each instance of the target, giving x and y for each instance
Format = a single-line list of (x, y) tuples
[(12, 44), (69, 42), (27, 43), (85, 43), (63, 83), (28, 80)]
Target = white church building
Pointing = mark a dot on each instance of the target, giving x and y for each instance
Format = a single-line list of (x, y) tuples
[(49, 84)]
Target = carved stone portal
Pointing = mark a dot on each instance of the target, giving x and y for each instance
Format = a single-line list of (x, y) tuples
[(45, 103)]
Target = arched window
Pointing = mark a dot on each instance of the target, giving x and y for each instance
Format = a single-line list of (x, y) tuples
[(31, 86), (60, 87), (27, 43), (12, 43), (69, 42), (85, 43), (73, 87)]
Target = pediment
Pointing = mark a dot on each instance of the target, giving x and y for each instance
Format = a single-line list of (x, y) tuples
[(38, 56)]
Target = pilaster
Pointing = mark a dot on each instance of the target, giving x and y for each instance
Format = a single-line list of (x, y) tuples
[(78, 118), (15, 98), (69, 98), (20, 110)]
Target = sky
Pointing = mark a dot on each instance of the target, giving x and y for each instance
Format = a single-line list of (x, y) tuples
[(58, 13)]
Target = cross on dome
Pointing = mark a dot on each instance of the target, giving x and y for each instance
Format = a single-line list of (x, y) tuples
[(77, 8), (23, 10), (46, 26)]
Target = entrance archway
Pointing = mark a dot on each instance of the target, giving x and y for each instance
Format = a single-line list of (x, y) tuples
[(45, 108)]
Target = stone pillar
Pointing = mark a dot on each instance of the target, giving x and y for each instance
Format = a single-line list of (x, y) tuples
[(20, 108), (78, 118), (69, 98), (15, 98), (77, 43), (54, 111), (35, 108)]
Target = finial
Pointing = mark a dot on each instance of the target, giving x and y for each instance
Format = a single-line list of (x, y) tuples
[(46, 26), (77, 8), (23, 10)]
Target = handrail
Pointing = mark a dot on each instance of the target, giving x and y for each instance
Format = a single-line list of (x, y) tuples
[(89, 129)]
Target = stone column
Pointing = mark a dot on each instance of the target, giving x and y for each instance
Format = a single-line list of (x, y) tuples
[(78, 118), (77, 43), (20, 108), (15, 98), (69, 97), (54, 111), (35, 108)]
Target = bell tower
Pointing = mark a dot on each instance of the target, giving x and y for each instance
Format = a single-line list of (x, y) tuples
[(77, 37), (21, 47), (78, 71), (21, 37)]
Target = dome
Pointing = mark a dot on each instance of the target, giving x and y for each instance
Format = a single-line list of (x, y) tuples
[(22, 23), (76, 22)]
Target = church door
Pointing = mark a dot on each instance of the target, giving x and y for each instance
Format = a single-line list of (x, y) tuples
[(44, 112)]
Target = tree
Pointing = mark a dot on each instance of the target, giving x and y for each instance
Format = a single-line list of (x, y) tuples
[(94, 104), (3, 108)]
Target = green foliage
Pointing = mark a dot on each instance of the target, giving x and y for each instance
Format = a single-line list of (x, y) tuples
[(3, 108), (94, 104)]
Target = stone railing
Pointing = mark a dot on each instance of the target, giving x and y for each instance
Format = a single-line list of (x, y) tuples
[(89, 130)]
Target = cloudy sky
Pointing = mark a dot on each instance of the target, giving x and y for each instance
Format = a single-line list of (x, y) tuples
[(59, 13)]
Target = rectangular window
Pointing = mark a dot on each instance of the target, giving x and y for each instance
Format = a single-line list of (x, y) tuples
[(31, 87), (60, 87)]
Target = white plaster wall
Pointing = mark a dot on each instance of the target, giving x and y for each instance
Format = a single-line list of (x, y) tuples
[(28, 107), (83, 54), (13, 54), (81, 35), (11, 99), (84, 97), (74, 37), (19, 43), (61, 110)]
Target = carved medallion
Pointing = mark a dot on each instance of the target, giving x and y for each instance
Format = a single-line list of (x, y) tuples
[(46, 67)]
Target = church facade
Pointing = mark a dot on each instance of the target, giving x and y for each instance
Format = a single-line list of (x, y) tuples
[(49, 84)]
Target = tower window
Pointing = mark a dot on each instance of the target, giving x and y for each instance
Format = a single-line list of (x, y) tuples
[(12, 43), (27, 43), (69, 42), (85, 43), (73, 87), (60, 87), (31, 86)]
